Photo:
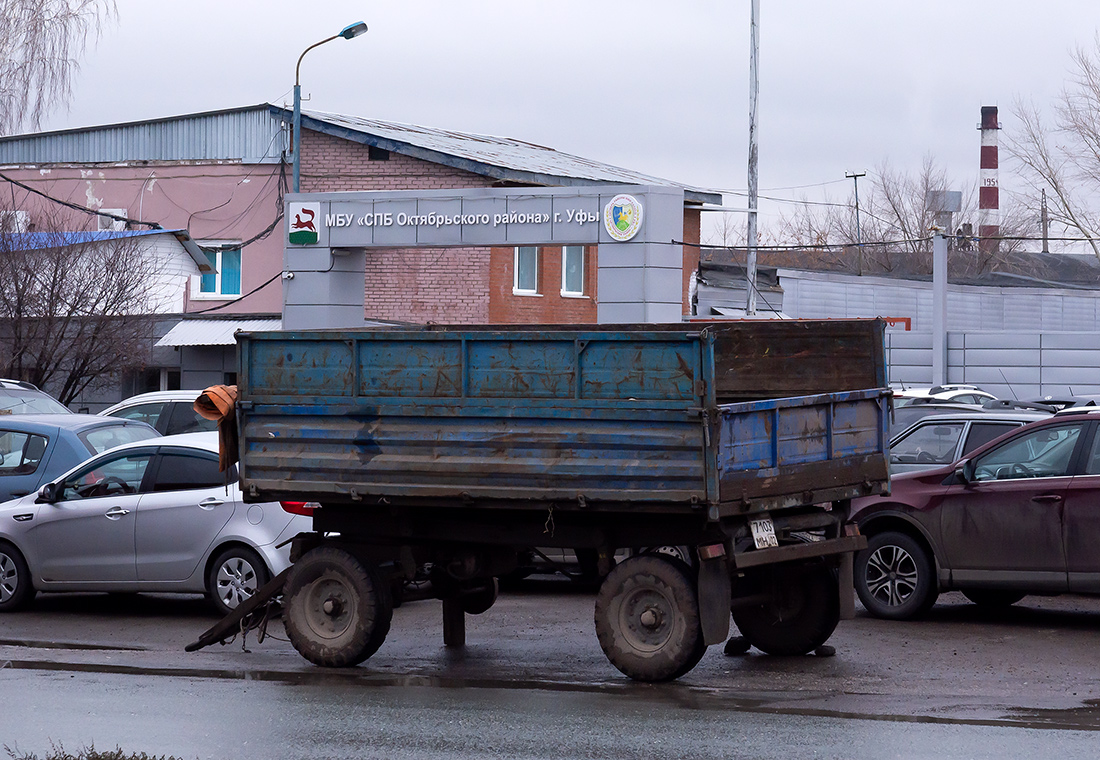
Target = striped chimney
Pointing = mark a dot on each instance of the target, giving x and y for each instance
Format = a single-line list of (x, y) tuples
[(989, 207)]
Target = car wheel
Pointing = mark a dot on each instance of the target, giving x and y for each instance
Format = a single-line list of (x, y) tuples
[(235, 575), (16, 590), (992, 598), (895, 577)]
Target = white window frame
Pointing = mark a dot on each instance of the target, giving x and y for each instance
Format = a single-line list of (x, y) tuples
[(516, 289), (196, 280), (565, 292)]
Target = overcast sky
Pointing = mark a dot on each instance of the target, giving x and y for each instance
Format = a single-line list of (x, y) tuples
[(659, 87)]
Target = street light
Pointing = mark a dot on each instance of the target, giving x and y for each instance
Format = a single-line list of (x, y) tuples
[(348, 32)]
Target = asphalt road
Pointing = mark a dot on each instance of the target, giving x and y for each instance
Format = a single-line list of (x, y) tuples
[(532, 682)]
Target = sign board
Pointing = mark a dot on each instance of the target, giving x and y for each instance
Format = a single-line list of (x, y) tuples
[(481, 217)]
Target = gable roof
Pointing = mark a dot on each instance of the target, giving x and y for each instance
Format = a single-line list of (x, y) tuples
[(259, 134), (502, 158)]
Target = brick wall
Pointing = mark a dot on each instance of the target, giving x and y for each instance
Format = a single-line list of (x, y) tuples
[(332, 164), (549, 307), (445, 285), (449, 285)]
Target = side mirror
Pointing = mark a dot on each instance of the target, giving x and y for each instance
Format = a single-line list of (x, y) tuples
[(964, 471), (47, 494)]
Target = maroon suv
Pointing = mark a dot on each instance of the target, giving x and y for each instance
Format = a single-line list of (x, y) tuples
[(1019, 515)]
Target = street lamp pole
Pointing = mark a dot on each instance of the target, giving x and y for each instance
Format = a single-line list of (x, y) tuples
[(348, 32)]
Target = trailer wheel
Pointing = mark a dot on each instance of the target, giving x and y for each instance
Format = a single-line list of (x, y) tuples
[(647, 618), (337, 610), (801, 610), (478, 598)]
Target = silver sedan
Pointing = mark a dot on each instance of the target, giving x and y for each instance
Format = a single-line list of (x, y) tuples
[(154, 515)]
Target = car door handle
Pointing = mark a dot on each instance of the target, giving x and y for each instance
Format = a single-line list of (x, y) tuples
[(1050, 498), (115, 513), (210, 503)]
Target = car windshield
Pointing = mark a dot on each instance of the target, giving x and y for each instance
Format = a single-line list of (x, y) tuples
[(26, 401), (928, 444), (100, 439)]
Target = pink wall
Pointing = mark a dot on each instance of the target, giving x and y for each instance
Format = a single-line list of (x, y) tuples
[(214, 201)]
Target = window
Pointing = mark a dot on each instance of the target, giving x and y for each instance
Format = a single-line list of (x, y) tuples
[(526, 279), (572, 270), (225, 280), (184, 419), (182, 472), (982, 433), (1092, 464), (111, 477), (1043, 453), (20, 453), (147, 413)]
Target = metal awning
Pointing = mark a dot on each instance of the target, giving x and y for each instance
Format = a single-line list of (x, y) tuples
[(214, 332)]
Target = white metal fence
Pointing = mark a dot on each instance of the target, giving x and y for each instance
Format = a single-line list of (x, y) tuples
[(1009, 364)]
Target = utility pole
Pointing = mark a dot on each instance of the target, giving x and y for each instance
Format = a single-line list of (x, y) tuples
[(859, 232), (939, 308), (751, 232), (1044, 221)]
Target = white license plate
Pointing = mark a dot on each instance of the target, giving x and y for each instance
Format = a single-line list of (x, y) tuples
[(763, 533)]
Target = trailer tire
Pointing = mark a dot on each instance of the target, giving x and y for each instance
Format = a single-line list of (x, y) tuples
[(647, 618), (802, 610), (337, 610), (479, 598)]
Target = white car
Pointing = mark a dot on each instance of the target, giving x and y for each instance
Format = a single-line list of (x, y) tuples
[(170, 412), (154, 515), (955, 394)]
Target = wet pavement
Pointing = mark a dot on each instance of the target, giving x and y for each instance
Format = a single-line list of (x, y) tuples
[(533, 682)]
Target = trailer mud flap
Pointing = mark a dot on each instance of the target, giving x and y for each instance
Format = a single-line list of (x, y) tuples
[(241, 619), (714, 599)]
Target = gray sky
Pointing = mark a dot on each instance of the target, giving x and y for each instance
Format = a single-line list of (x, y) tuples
[(659, 87)]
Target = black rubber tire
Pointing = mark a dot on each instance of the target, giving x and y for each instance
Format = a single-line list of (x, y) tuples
[(235, 575), (895, 577), (685, 554), (802, 610), (647, 618), (16, 587), (479, 598), (993, 598), (336, 609)]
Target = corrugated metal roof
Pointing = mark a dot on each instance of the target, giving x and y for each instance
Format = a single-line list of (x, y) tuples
[(532, 163), (253, 134), (259, 134), (214, 332)]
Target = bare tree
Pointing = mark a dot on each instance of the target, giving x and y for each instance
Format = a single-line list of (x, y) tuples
[(40, 44), (74, 309), (1064, 158), (895, 225)]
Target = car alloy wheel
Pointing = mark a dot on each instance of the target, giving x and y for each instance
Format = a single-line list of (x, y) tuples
[(895, 577)]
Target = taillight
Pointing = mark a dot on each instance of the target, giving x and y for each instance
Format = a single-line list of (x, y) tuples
[(300, 507)]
